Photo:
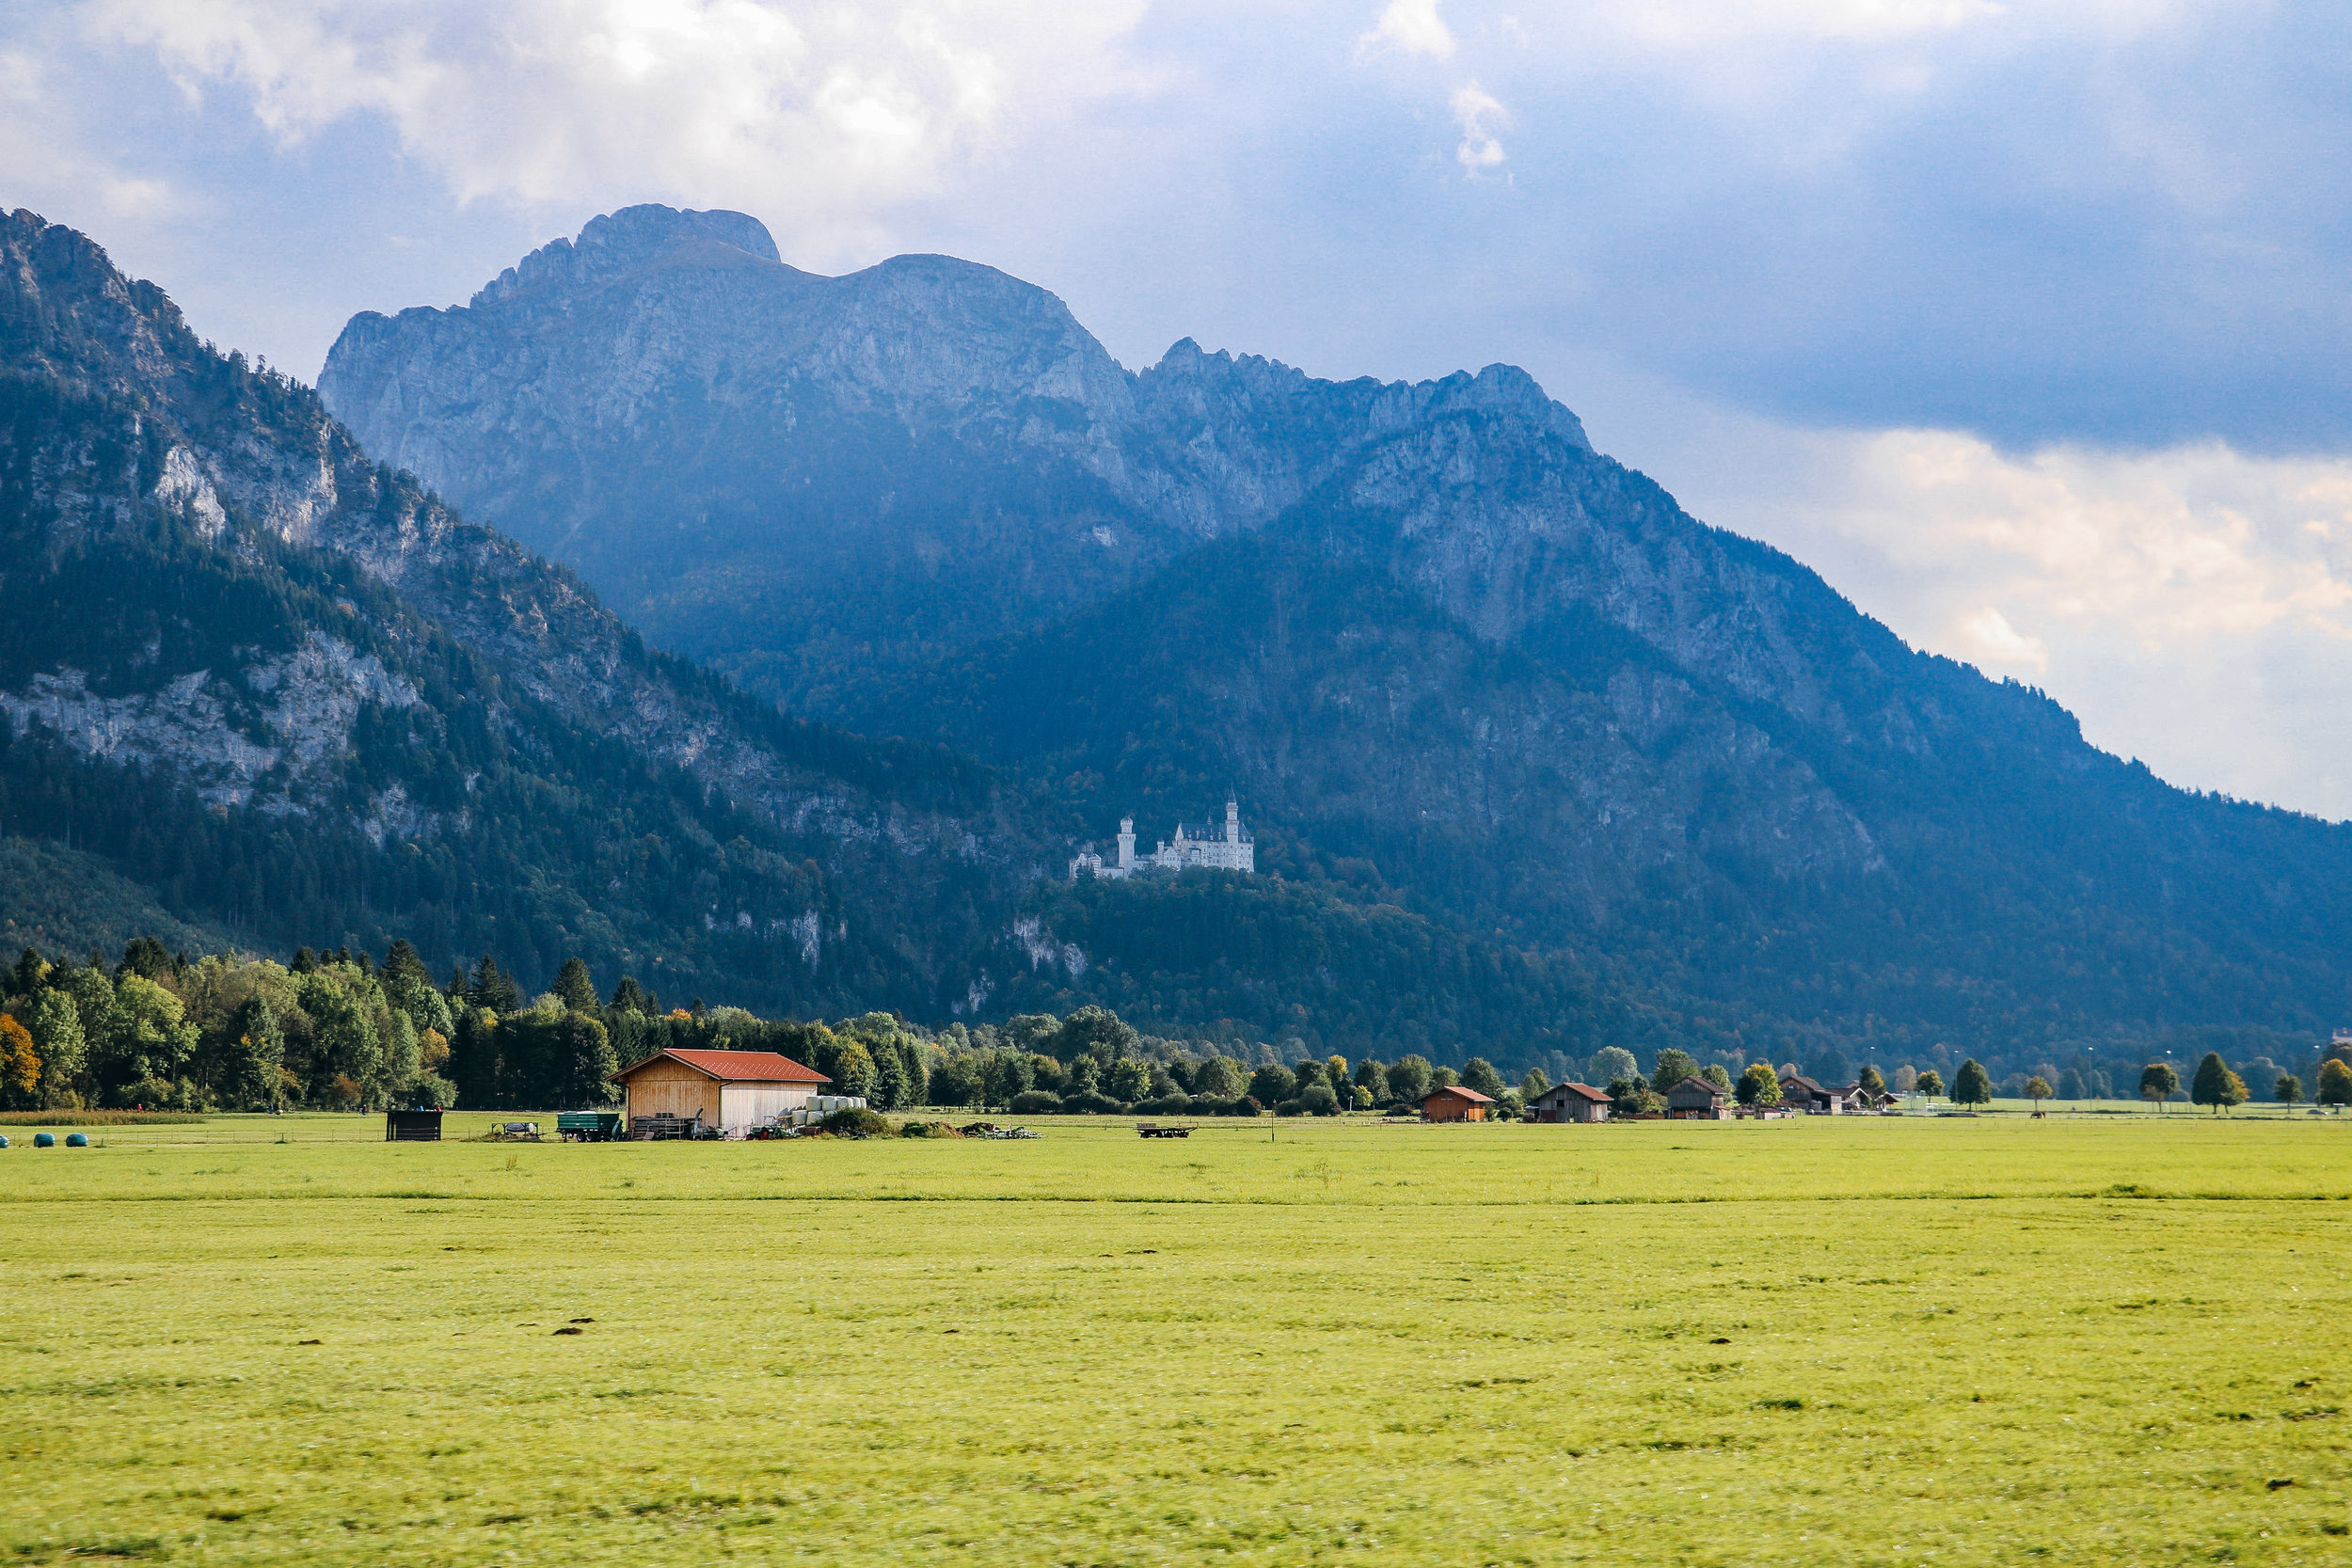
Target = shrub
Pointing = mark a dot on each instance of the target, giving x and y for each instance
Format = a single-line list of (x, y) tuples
[(1294, 1107), (1169, 1106), (1318, 1101), (928, 1129), (1094, 1104), (855, 1121), (1033, 1102)]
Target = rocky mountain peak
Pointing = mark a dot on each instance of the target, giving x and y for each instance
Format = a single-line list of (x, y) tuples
[(619, 242)]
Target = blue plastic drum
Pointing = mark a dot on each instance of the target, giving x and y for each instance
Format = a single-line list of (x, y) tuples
[(77, 1140), (44, 1140), (4, 1140)]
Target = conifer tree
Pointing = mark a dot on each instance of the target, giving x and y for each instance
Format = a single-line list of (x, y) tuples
[(574, 989), (631, 997)]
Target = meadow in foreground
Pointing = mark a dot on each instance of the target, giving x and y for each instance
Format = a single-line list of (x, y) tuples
[(1821, 1341)]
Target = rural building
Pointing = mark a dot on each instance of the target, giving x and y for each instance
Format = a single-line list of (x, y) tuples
[(412, 1127), (726, 1089), (1696, 1099), (1456, 1103), (1800, 1093), (1571, 1103)]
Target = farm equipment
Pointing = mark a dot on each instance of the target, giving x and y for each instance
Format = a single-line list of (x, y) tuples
[(588, 1127), (1154, 1129)]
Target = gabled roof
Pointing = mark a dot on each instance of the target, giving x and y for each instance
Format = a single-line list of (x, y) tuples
[(735, 1066), (1696, 1082), (1456, 1088), (1586, 1090), (1800, 1081)]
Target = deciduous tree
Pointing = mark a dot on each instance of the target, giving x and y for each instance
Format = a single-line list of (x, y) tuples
[(1759, 1085), (1931, 1084), (1972, 1085), (2335, 1084), (2288, 1090), (2215, 1084), (2158, 1082), (20, 1066)]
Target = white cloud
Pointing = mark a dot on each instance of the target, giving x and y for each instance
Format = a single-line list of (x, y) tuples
[(1411, 27), (1987, 638), (46, 158), (1477, 113), (820, 114)]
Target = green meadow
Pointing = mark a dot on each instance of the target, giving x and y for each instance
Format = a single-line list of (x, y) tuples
[(1839, 1341)]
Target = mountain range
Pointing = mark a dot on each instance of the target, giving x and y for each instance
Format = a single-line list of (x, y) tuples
[(914, 589)]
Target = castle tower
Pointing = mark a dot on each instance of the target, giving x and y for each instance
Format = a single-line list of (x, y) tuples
[(1232, 821), (1126, 845)]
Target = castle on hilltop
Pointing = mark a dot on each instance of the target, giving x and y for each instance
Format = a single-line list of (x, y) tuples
[(1234, 851)]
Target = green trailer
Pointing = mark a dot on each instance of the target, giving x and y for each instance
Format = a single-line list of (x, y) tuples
[(588, 1127)]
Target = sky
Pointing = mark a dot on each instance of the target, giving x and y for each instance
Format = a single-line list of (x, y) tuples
[(2026, 322)]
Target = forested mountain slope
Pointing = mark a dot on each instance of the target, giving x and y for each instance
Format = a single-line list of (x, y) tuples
[(293, 694), (270, 689), (1454, 660)]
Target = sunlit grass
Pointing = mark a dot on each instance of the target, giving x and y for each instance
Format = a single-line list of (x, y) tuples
[(1821, 1340)]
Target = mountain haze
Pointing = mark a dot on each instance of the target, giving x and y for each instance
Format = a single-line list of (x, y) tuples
[(1454, 660)]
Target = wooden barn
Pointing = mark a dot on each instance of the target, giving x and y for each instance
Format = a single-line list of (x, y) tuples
[(1571, 1103), (1800, 1093), (726, 1089), (1695, 1099), (1456, 1103)]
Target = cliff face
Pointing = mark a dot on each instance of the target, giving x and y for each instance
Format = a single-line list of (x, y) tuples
[(1453, 657), (224, 598)]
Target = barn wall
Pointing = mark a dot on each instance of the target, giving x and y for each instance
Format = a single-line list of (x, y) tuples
[(753, 1104), (673, 1088)]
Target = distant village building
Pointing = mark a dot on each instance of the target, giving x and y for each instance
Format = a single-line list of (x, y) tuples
[(1235, 850), (1696, 1099), (1456, 1103), (1571, 1103)]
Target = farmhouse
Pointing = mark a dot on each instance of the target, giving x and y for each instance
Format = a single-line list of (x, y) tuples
[(726, 1089), (1456, 1103), (1800, 1093), (1696, 1099), (1571, 1103)]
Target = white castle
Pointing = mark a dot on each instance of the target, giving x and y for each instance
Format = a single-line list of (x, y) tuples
[(1235, 851)]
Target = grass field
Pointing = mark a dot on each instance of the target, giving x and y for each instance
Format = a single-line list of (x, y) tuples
[(1822, 1340)]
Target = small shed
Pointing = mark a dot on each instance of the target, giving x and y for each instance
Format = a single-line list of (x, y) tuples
[(726, 1089), (1571, 1103), (1456, 1103), (1697, 1098), (412, 1127)]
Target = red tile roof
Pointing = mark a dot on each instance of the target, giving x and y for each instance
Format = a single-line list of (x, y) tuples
[(1456, 1088), (738, 1066)]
